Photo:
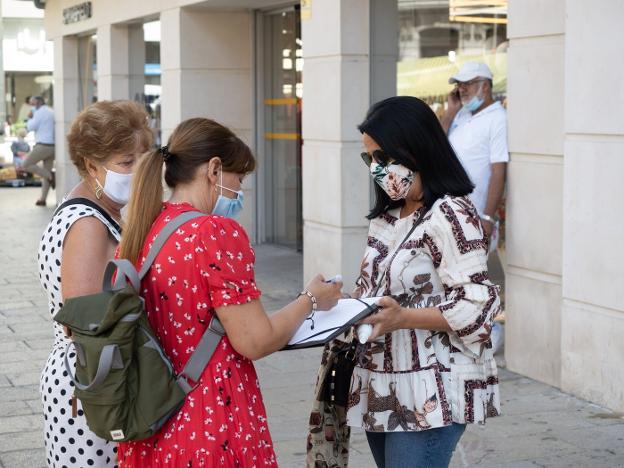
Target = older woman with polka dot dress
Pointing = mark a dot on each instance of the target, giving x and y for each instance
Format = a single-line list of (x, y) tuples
[(104, 143)]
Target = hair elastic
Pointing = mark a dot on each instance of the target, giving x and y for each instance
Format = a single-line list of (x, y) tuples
[(164, 151)]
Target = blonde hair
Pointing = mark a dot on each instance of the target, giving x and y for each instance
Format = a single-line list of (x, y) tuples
[(193, 143), (106, 128)]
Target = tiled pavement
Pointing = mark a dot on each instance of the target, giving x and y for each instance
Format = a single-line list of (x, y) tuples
[(541, 426)]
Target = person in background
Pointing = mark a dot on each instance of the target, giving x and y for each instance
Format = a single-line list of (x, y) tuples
[(104, 142), (20, 149), (24, 110), (41, 121), (477, 129)]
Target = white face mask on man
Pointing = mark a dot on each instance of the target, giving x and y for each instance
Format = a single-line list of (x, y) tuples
[(116, 186)]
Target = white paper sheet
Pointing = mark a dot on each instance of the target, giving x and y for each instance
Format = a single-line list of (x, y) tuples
[(329, 321)]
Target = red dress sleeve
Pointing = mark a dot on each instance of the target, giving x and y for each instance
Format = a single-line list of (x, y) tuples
[(227, 262)]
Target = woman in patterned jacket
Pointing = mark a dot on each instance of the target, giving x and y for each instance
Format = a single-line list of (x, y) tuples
[(428, 368)]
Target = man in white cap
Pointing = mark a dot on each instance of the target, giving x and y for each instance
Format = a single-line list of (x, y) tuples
[(477, 129)]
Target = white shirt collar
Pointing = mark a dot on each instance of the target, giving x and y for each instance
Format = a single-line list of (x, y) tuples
[(496, 105)]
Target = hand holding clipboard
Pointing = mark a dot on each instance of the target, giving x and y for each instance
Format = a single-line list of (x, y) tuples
[(329, 324)]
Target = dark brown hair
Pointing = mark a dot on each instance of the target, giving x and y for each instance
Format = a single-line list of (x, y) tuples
[(193, 143), (107, 128)]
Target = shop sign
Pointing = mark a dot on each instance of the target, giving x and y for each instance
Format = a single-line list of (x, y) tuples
[(77, 13)]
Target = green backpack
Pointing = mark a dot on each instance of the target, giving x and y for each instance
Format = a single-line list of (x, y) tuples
[(123, 379)]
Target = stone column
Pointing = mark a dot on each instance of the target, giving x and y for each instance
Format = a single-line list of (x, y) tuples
[(207, 71), (2, 80), (136, 62), (336, 83), (384, 49), (112, 62), (535, 189), (592, 318), (66, 107)]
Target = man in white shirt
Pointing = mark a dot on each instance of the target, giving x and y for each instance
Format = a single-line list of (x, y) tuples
[(477, 129), (42, 123)]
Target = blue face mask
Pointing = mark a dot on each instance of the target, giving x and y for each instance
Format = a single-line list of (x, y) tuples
[(228, 207), (473, 104)]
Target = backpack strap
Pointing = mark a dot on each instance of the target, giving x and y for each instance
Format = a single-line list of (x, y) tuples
[(126, 270), (188, 379), (162, 237)]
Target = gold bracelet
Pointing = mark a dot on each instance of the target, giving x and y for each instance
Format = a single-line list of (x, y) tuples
[(305, 292)]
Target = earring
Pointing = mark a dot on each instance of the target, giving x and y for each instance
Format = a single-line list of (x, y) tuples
[(98, 191)]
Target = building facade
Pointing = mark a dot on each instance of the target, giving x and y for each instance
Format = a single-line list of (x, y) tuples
[(27, 59), (565, 300), (295, 79)]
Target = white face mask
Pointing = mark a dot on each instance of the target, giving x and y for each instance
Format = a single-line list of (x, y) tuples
[(117, 186)]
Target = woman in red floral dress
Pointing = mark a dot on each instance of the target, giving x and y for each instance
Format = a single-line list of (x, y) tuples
[(207, 267)]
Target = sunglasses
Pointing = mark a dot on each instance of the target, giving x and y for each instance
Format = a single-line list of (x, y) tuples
[(378, 156), (467, 84)]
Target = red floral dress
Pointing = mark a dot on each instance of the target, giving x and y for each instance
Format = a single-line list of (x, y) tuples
[(207, 263)]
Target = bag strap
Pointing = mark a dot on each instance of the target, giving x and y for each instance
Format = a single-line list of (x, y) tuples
[(110, 358), (199, 359), (89, 203), (188, 379), (409, 234), (126, 270), (162, 237)]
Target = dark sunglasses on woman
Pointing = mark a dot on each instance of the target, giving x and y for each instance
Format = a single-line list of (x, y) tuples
[(378, 156)]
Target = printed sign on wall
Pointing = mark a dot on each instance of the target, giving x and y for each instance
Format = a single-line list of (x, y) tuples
[(76, 13)]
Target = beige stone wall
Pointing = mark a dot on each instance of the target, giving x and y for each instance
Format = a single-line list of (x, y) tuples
[(344, 73), (535, 188), (66, 89), (336, 96), (592, 316), (565, 295), (212, 79), (206, 63)]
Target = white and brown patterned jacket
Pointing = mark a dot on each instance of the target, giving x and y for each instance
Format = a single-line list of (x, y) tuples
[(412, 380)]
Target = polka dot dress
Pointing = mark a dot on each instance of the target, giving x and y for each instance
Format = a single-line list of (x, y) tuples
[(68, 441)]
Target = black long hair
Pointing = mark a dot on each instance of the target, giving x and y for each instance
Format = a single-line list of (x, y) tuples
[(409, 132)]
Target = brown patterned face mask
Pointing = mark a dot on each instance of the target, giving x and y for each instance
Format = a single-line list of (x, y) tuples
[(395, 179)]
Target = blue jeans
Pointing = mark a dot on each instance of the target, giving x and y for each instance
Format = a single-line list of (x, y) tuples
[(432, 448)]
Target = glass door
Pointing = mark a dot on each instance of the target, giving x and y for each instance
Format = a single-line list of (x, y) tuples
[(281, 101)]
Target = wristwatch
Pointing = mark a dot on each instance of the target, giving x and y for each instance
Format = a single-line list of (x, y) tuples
[(488, 218)]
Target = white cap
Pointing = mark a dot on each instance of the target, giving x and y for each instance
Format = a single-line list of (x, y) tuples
[(470, 71)]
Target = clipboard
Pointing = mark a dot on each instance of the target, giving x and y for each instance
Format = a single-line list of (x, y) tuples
[(324, 326)]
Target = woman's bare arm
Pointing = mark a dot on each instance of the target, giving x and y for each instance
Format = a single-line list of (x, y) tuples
[(87, 249), (255, 334)]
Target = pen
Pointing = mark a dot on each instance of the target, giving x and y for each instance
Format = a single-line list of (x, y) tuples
[(335, 279)]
